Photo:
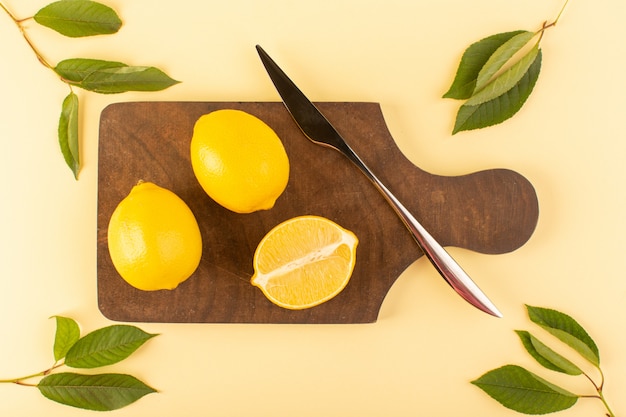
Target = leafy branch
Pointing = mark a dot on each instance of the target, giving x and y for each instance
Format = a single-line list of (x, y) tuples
[(102, 347), (496, 76), (80, 18), (523, 391)]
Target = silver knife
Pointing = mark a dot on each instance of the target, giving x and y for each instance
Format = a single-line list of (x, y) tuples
[(319, 130)]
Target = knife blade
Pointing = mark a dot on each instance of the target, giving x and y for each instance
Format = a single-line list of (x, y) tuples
[(319, 130)]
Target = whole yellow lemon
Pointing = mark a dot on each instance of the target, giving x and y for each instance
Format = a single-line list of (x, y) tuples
[(239, 160), (154, 239)]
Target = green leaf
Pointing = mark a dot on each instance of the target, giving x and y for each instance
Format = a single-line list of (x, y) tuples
[(78, 18), (106, 346), (108, 77), (67, 334), (76, 70), (500, 57), (566, 329), (546, 356), (500, 108), (119, 80), (473, 60), (505, 81), (103, 392), (520, 390), (68, 133)]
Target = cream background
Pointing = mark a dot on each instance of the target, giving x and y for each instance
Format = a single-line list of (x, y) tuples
[(428, 344)]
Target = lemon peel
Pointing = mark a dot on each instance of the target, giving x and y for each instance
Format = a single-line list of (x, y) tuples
[(239, 161), (154, 239)]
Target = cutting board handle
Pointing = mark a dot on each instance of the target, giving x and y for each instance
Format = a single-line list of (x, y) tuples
[(492, 211)]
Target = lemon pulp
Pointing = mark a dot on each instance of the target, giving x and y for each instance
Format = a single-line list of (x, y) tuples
[(304, 262)]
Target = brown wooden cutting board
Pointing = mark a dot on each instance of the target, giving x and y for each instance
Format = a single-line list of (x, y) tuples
[(493, 211)]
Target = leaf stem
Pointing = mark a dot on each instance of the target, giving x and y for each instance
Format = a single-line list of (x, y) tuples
[(599, 389), (596, 386), (560, 13), (7, 11), (601, 379), (547, 25), (608, 409), (20, 380), (18, 23)]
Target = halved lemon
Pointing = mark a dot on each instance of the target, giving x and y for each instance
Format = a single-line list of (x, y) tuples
[(304, 262)]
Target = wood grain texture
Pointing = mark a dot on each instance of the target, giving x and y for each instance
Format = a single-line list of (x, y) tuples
[(493, 211)]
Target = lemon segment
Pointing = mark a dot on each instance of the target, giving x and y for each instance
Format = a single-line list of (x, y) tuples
[(153, 238), (239, 160), (304, 262)]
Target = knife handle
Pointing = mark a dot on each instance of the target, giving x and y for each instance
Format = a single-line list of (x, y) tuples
[(443, 262)]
